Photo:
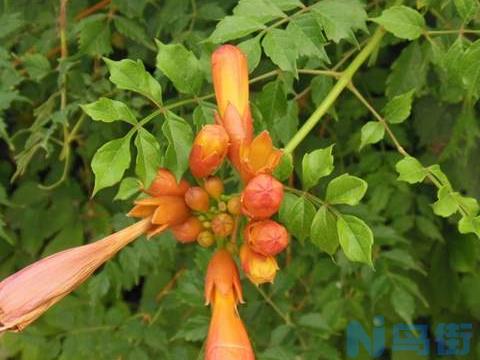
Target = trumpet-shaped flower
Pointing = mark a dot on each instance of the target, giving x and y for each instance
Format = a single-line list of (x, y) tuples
[(209, 150), (27, 294), (258, 268), (258, 157), (227, 337)]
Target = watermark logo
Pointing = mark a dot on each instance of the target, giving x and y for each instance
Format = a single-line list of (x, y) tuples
[(445, 339)]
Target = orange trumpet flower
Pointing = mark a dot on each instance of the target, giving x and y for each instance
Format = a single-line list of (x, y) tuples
[(258, 157), (230, 82), (227, 337), (27, 294), (165, 183)]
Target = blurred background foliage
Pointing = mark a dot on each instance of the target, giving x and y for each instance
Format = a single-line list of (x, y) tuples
[(147, 303)]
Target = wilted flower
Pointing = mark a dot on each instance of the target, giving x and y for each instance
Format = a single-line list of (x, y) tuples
[(188, 231), (262, 197), (27, 294), (230, 81), (258, 157), (208, 151), (214, 186), (165, 183), (227, 337), (197, 199), (266, 237), (258, 268), (222, 224)]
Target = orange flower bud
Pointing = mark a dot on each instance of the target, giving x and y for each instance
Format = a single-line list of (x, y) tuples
[(234, 205), (230, 78), (165, 183), (258, 268), (188, 231), (205, 239), (222, 224), (266, 237), (214, 186), (258, 157), (262, 197), (208, 151), (227, 337), (197, 199)]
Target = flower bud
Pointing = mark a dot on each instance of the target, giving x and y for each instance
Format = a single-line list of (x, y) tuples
[(222, 224), (205, 239), (230, 78), (188, 231), (166, 209), (197, 199), (208, 151), (234, 205), (266, 237), (262, 197), (258, 268), (214, 186), (165, 183)]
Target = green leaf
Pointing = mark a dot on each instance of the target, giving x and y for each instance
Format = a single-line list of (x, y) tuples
[(194, 329), (371, 133), (471, 69), (132, 30), (36, 65), (285, 168), (409, 71), (398, 109), (272, 101), (148, 156), (410, 170), (404, 22), (446, 204), (466, 8), (95, 37), (340, 18), (171, 58), (128, 187), (204, 114), (462, 252), (260, 10), (110, 162), (297, 216), (109, 110), (469, 224), (356, 239), (253, 51), (234, 27), (281, 48), (307, 31), (323, 232), (403, 303), (315, 165), (180, 138), (131, 75), (346, 189), (287, 5)]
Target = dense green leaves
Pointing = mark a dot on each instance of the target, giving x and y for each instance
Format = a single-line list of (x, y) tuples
[(404, 22)]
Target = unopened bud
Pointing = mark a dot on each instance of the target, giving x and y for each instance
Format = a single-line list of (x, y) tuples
[(222, 224), (208, 151), (197, 199), (205, 239), (262, 197), (214, 186), (234, 205), (188, 231), (165, 183), (266, 237)]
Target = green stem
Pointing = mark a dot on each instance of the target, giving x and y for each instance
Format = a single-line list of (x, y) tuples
[(341, 84)]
